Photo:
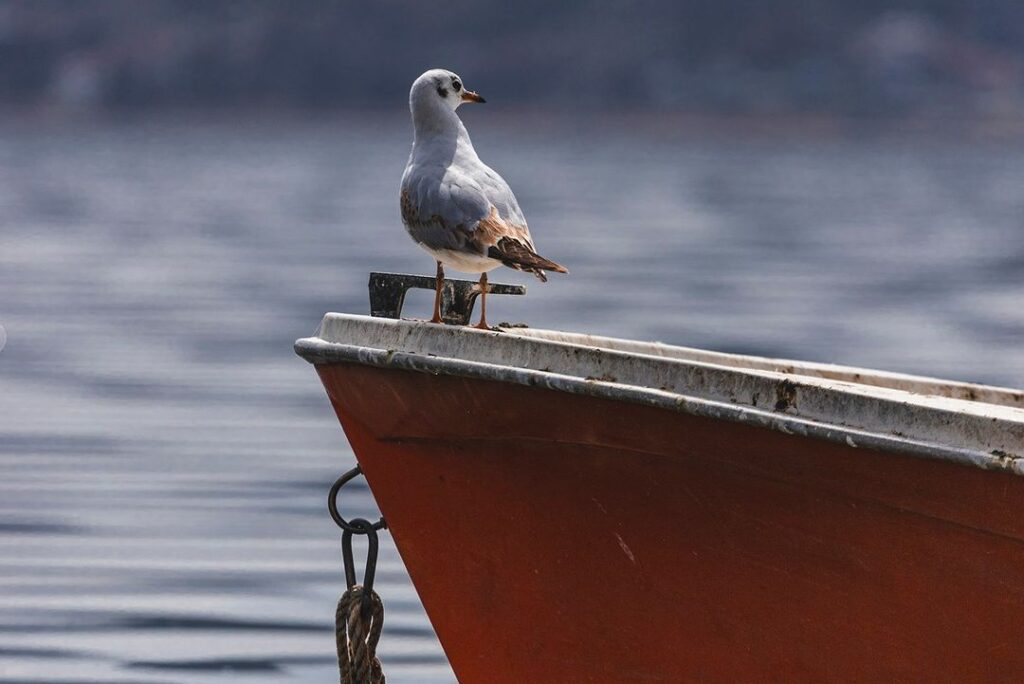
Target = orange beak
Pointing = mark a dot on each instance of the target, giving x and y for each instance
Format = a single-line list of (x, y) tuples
[(470, 96)]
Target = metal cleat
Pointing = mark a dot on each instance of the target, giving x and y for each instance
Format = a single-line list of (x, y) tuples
[(388, 290)]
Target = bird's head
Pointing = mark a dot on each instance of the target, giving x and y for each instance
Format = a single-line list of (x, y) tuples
[(440, 88)]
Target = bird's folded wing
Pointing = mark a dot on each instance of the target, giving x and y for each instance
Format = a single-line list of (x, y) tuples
[(455, 212)]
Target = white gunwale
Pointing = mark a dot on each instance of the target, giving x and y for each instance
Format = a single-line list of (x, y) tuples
[(970, 424)]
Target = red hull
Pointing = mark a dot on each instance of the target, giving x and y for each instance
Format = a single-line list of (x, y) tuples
[(564, 538)]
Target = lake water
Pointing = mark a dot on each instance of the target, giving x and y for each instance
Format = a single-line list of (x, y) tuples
[(165, 456)]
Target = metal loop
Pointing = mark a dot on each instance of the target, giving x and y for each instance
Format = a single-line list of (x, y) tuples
[(357, 626), (357, 525), (372, 546)]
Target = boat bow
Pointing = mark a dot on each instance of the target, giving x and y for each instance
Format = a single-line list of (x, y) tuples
[(972, 424)]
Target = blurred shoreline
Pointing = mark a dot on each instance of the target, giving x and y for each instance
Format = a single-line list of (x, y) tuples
[(673, 124), (736, 57)]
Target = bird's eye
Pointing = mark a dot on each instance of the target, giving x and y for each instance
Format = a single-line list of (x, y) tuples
[(456, 85)]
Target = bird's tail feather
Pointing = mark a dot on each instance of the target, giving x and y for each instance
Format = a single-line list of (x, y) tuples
[(519, 256)]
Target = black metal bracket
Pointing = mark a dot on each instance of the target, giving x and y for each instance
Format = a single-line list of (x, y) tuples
[(388, 290), (356, 526)]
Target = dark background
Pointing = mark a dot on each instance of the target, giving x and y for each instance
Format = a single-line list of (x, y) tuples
[(854, 57)]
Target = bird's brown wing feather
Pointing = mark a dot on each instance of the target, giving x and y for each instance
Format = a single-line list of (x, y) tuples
[(512, 246)]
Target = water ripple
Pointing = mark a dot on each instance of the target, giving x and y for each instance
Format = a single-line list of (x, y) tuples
[(166, 457)]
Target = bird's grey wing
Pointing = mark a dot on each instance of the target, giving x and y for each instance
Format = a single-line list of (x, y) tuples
[(441, 208), (501, 197), (477, 215)]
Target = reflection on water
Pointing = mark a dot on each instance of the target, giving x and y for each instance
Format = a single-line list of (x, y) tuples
[(165, 456)]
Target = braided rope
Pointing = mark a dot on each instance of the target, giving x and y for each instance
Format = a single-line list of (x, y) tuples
[(357, 637)]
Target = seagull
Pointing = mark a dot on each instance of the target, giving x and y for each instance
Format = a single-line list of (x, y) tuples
[(453, 205)]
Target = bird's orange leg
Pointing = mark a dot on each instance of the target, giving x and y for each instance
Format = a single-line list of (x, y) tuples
[(482, 325), (438, 285)]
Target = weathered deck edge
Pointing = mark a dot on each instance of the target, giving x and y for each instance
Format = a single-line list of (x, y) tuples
[(953, 389), (318, 351)]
